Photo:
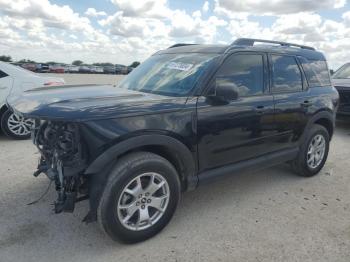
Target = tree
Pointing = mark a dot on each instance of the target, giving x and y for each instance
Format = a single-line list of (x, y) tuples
[(77, 62), (5, 58), (135, 64), (26, 61)]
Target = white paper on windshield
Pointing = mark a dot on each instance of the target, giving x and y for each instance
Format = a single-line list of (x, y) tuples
[(179, 66)]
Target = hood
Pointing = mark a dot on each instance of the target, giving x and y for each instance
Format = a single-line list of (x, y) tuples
[(89, 102), (341, 83)]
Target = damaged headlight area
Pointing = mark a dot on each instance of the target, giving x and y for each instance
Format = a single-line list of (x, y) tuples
[(63, 160)]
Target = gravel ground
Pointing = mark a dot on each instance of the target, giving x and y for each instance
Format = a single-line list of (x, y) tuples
[(269, 215)]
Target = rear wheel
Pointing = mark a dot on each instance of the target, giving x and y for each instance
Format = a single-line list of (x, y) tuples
[(313, 153), (140, 197), (15, 126)]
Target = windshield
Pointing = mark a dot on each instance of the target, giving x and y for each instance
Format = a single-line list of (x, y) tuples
[(343, 72), (168, 74)]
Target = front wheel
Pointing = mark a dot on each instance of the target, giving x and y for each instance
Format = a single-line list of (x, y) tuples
[(15, 126), (140, 197), (313, 153)]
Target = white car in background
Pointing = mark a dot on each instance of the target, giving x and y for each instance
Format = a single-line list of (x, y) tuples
[(13, 80)]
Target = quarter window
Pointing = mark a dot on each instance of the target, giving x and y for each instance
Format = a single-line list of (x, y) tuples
[(286, 75), (316, 72), (244, 72)]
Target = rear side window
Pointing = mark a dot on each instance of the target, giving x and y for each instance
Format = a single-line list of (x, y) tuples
[(286, 75), (244, 72), (316, 72), (3, 74)]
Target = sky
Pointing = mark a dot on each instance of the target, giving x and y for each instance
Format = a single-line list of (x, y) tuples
[(123, 31)]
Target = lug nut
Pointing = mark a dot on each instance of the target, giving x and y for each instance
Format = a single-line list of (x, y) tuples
[(148, 200), (143, 200), (143, 206)]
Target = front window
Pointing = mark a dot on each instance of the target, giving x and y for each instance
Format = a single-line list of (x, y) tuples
[(343, 72), (168, 74), (244, 73)]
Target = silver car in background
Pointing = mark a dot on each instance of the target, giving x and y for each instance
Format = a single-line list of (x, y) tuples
[(13, 80)]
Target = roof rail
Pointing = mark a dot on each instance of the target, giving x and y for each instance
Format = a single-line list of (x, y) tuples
[(180, 44), (251, 41)]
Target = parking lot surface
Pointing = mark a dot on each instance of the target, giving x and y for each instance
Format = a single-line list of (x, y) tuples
[(268, 215), (76, 79)]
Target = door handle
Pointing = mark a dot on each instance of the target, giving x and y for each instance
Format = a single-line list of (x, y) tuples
[(306, 103)]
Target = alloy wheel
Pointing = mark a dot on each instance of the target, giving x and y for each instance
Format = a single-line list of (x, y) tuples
[(316, 151), (19, 125), (143, 201)]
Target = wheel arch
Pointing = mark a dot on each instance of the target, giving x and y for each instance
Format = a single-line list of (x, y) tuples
[(3, 109), (168, 147), (325, 119), (325, 122)]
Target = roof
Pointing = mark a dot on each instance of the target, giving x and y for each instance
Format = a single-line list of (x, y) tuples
[(248, 45)]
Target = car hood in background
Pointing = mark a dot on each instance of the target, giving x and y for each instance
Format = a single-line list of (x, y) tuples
[(89, 102), (32, 81), (341, 83)]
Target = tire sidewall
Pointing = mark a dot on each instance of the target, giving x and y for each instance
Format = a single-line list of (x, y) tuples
[(4, 126), (116, 185)]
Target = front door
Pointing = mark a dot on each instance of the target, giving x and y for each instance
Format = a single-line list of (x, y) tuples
[(240, 129)]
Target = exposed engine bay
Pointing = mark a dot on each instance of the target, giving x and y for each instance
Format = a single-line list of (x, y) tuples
[(63, 160)]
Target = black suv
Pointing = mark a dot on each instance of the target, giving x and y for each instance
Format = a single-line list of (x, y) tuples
[(341, 81), (187, 115)]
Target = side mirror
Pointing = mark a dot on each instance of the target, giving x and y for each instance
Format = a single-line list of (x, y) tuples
[(331, 72), (225, 91)]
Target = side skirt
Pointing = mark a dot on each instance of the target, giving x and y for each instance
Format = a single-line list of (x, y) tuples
[(262, 162)]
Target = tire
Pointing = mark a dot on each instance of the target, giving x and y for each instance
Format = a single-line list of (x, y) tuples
[(127, 170), (300, 164), (23, 133)]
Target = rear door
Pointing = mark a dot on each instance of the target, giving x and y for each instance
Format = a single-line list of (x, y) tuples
[(289, 90)]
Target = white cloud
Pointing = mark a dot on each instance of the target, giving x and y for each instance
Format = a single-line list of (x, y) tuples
[(277, 6), (92, 12), (296, 24), (41, 30), (205, 7), (346, 17), (134, 26), (52, 15), (144, 8), (203, 31)]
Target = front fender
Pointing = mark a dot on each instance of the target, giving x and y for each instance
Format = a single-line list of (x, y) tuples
[(175, 146)]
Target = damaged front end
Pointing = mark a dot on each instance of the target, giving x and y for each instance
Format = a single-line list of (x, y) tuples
[(63, 159)]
